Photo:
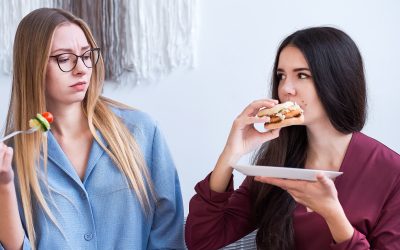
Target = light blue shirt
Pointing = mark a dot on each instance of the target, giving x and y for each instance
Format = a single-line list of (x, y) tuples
[(101, 211)]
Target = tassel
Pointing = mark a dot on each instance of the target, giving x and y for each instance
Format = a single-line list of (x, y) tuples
[(141, 40)]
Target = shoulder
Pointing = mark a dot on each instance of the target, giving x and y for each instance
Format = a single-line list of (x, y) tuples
[(136, 120), (369, 144), (375, 153), (149, 137), (142, 126)]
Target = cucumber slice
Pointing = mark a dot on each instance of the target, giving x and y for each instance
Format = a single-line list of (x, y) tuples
[(45, 124)]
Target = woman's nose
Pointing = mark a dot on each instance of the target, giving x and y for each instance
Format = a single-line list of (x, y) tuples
[(287, 87), (80, 67)]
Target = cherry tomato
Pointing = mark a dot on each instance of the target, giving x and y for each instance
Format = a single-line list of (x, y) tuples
[(48, 116)]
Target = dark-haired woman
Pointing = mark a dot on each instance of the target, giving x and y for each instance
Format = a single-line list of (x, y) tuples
[(321, 69)]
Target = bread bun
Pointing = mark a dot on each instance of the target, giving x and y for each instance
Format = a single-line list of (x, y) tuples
[(285, 123)]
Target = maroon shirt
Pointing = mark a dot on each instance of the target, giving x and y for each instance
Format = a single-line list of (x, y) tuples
[(369, 191)]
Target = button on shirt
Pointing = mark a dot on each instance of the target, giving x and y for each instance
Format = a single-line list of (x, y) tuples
[(88, 237), (101, 211)]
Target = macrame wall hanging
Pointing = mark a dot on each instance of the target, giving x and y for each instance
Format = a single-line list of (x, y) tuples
[(141, 40)]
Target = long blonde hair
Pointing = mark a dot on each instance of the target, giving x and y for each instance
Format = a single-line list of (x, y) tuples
[(31, 54)]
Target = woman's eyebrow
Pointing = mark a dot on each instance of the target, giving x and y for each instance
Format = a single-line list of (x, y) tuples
[(68, 50), (301, 69), (295, 70)]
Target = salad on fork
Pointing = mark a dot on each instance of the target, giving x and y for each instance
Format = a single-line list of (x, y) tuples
[(41, 122)]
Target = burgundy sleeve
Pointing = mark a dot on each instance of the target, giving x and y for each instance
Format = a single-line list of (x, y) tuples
[(218, 219), (357, 242), (386, 233)]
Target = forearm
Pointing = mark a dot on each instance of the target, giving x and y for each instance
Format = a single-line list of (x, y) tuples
[(221, 174), (340, 227), (11, 231), (217, 219)]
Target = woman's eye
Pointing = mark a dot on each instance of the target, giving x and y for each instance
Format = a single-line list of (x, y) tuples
[(63, 60), (281, 76), (303, 76)]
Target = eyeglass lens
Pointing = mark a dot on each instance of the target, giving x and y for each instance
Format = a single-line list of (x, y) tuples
[(68, 61)]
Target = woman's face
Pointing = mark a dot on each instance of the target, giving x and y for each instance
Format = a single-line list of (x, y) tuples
[(296, 84), (67, 87)]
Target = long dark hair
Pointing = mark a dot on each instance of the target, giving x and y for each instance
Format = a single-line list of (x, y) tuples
[(337, 69)]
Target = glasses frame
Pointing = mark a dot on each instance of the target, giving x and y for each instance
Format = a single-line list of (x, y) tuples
[(77, 58)]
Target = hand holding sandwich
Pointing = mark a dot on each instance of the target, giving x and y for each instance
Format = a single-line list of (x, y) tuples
[(243, 138)]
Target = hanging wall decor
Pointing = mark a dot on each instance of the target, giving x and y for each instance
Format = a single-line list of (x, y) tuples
[(11, 13), (141, 40)]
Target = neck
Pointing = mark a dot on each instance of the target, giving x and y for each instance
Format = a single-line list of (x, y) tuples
[(326, 147), (69, 120)]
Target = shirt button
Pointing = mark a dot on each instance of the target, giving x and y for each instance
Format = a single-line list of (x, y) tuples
[(88, 237), (83, 195)]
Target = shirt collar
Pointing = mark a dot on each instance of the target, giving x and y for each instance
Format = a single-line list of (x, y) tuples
[(59, 158)]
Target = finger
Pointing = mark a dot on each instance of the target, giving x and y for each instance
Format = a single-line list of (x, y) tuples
[(244, 121), (300, 201), (256, 119), (309, 209), (3, 150), (8, 157), (273, 181), (294, 196), (253, 108), (6, 173), (286, 184), (298, 193), (325, 181), (270, 135)]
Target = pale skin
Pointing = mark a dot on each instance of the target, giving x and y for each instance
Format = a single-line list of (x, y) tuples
[(326, 149), (11, 231), (70, 126)]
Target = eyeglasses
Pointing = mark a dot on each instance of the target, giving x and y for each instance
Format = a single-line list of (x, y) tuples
[(67, 61)]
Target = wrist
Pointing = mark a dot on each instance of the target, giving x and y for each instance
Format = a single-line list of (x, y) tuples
[(229, 158), (339, 225), (7, 188), (333, 212)]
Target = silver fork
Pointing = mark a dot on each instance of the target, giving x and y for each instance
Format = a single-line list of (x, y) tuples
[(29, 131)]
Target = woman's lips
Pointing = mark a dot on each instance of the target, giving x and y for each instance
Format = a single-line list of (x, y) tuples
[(78, 86)]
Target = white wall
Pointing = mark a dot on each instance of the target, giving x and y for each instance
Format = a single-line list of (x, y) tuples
[(236, 46)]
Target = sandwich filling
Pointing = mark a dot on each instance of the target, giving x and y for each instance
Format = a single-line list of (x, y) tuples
[(282, 111)]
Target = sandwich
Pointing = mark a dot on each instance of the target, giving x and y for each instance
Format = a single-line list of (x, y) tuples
[(282, 115)]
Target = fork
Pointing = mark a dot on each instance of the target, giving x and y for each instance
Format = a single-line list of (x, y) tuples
[(29, 131)]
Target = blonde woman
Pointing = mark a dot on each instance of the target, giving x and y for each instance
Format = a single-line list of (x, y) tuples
[(103, 177)]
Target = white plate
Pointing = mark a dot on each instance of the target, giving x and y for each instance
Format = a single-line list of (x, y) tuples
[(284, 172)]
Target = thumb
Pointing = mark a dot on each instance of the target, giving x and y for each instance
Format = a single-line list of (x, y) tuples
[(271, 134), (8, 157), (324, 180)]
